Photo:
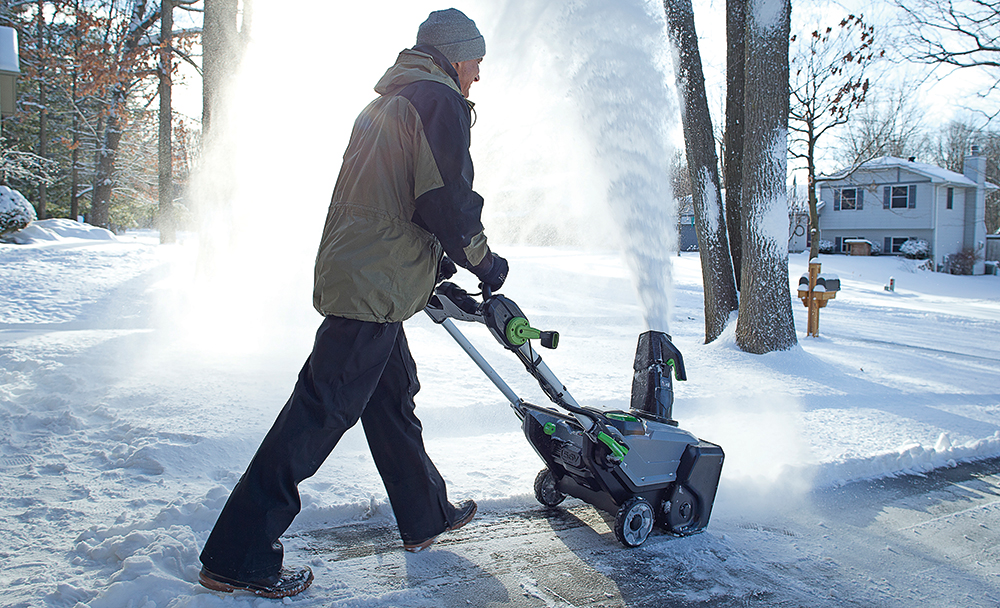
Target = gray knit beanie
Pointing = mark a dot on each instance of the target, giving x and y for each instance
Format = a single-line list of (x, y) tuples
[(454, 34)]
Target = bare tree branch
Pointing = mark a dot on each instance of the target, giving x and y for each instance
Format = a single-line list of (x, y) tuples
[(958, 33)]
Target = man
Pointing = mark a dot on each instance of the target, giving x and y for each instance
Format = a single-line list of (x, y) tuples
[(403, 199)]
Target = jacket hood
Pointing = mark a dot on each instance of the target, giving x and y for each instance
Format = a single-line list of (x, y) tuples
[(414, 65)]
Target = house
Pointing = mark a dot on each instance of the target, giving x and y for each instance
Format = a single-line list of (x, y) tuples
[(687, 238), (888, 201), (798, 221)]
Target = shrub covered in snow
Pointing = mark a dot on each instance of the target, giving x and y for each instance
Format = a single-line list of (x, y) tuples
[(15, 211), (964, 261), (826, 246), (916, 249), (876, 249)]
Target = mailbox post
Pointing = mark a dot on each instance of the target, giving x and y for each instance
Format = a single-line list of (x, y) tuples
[(815, 290), (10, 69)]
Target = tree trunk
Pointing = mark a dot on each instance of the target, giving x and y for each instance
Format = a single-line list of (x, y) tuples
[(100, 207), (98, 143), (765, 320), (42, 111), (74, 201), (220, 42), (43, 151), (166, 150), (107, 147), (215, 182), (814, 233), (710, 221), (246, 26), (736, 17)]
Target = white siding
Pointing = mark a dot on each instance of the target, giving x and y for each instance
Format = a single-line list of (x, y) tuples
[(872, 215), (875, 223), (951, 223)]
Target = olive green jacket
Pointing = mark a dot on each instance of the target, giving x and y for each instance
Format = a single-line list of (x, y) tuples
[(403, 197)]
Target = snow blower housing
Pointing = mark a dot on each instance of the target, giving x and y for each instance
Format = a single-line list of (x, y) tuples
[(638, 464)]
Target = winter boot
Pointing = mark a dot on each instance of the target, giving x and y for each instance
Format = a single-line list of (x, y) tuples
[(464, 512), (288, 582)]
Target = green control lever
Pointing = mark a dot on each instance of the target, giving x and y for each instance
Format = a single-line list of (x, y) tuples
[(519, 331)]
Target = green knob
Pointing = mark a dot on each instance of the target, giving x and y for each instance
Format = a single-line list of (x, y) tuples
[(518, 331)]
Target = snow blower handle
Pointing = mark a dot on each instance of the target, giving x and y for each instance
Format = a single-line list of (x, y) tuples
[(518, 330), (510, 326)]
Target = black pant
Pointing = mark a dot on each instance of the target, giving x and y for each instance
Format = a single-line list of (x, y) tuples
[(356, 370)]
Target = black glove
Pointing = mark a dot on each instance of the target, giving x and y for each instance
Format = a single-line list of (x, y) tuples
[(446, 269), (494, 274)]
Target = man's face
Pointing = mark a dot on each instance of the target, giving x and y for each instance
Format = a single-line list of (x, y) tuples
[(468, 72)]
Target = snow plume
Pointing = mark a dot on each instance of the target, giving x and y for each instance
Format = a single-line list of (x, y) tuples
[(614, 57), (570, 139), (756, 420)]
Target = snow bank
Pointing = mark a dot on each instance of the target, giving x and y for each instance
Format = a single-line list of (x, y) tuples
[(58, 230), (913, 459)]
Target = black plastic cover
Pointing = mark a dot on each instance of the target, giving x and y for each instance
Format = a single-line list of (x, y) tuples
[(652, 387)]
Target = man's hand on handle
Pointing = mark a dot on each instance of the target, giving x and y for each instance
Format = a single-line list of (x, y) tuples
[(492, 271)]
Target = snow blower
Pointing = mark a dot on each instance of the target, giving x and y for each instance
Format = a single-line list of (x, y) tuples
[(637, 465)]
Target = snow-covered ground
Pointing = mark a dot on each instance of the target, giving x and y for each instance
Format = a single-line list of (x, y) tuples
[(134, 390)]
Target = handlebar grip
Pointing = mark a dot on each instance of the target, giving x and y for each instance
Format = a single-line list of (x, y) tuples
[(549, 339)]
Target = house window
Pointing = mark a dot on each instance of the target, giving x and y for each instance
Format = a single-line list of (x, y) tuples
[(899, 197), (848, 199), (951, 199), (897, 243)]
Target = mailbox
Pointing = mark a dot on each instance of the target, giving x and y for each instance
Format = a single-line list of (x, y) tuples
[(815, 290), (826, 288)]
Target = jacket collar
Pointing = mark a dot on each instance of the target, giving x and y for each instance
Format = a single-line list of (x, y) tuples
[(442, 62), (419, 63), (439, 59)]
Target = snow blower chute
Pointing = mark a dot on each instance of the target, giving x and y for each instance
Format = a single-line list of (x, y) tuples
[(637, 465)]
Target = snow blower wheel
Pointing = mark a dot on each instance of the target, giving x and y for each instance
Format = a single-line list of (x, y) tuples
[(545, 489), (634, 522), (679, 512)]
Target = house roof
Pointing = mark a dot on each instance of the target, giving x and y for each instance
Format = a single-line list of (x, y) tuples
[(937, 175)]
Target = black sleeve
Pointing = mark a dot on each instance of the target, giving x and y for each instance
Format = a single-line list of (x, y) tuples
[(452, 212)]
